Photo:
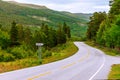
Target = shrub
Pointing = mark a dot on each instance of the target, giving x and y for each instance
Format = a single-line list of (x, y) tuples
[(47, 54), (20, 52), (5, 57), (4, 39)]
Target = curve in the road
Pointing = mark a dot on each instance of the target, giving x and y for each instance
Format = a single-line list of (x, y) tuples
[(87, 64)]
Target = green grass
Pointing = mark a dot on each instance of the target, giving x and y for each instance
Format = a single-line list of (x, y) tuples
[(58, 53), (61, 52), (107, 51), (18, 64), (115, 72)]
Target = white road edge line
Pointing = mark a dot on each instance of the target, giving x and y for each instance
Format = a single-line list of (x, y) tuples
[(98, 69)]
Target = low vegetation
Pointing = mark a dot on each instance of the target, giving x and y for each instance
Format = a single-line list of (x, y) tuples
[(56, 53), (106, 50), (61, 52), (115, 72), (18, 45)]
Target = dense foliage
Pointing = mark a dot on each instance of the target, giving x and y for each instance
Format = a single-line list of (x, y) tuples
[(104, 28), (19, 42), (94, 24)]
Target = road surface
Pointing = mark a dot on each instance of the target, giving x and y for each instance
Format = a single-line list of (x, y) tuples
[(87, 64)]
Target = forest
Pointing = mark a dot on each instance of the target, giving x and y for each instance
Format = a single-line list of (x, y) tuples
[(104, 28)]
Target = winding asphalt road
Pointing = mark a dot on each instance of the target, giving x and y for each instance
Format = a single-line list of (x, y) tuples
[(87, 64)]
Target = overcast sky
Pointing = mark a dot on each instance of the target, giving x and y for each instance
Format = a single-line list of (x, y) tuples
[(74, 6)]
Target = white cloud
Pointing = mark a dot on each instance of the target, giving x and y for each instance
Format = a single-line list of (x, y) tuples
[(102, 7), (77, 7), (8, 0)]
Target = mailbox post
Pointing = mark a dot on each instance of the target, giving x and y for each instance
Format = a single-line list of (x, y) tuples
[(39, 49)]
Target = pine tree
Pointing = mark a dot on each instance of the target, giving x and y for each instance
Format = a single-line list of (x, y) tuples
[(66, 30), (14, 34), (20, 33), (28, 36), (61, 37), (52, 38)]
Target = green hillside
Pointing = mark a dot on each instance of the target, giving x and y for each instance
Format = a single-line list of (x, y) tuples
[(33, 15), (85, 17)]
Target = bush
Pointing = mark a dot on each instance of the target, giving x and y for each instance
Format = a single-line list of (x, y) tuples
[(47, 54), (20, 52), (4, 39), (5, 57)]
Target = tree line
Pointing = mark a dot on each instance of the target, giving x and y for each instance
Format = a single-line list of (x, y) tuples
[(104, 28), (47, 35), (19, 42)]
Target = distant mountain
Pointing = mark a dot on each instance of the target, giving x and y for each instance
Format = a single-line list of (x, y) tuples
[(28, 5), (83, 16), (34, 15)]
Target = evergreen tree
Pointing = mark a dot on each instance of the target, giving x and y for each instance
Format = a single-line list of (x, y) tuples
[(20, 33), (52, 38), (45, 30), (28, 36), (66, 30), (14, 34), (61, 37), (38, 37)]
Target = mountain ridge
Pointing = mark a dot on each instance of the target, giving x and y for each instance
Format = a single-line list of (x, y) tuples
[(30, 14), (28, 5)]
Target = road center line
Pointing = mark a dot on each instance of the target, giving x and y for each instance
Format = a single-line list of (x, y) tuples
[(85, 57), (40, 75), (63, 67), (68, 65)]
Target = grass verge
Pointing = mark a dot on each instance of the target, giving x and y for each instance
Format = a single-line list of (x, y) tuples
[(115, 72), (106, 50), (18, 64), (58, 53), (61, 52)]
